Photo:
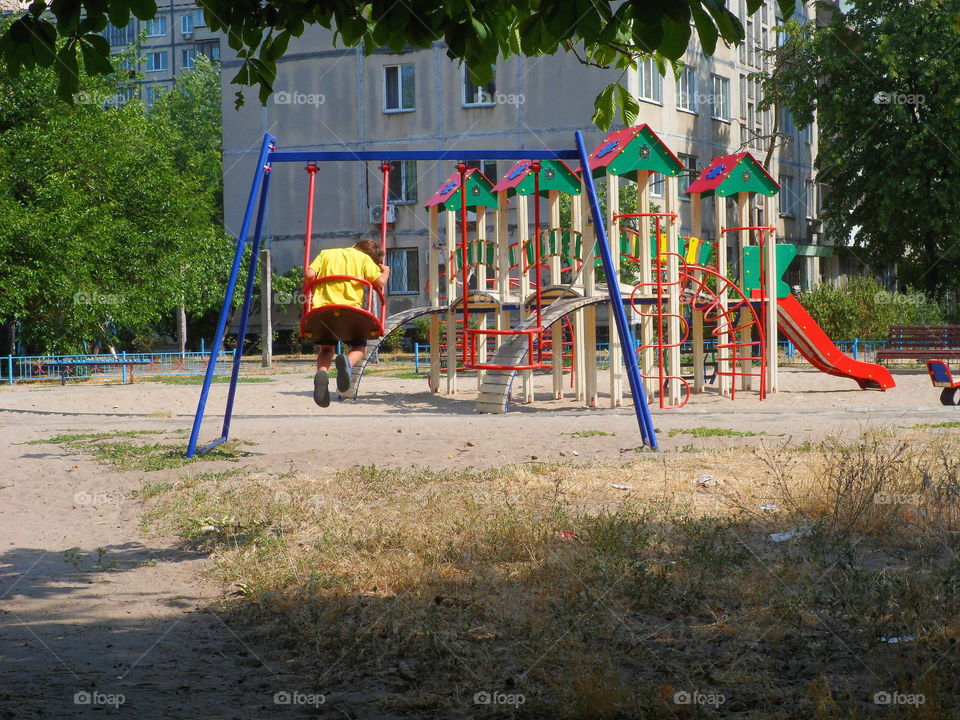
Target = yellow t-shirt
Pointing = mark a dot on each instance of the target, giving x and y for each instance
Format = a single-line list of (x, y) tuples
[(343, 261)]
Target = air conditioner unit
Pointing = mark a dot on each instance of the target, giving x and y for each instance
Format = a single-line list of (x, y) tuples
[(376, 214)]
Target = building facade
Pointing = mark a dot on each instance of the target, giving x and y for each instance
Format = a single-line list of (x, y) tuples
[(168, 45), (333, 98)]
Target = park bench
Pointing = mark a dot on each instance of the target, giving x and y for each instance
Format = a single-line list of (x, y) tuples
[(921, 342), (64, 366)]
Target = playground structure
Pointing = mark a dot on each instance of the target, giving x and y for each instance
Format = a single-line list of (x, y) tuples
[(505, 306)]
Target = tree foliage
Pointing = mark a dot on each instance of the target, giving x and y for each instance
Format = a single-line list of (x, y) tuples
[(99, 224), (606, 33), (883, 79)]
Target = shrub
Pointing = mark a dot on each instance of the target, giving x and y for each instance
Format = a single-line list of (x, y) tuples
[(863, 309)]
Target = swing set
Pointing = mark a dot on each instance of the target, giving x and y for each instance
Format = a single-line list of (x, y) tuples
[(369, 320)]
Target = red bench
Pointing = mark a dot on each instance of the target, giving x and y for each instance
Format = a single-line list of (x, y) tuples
[(921, 342)]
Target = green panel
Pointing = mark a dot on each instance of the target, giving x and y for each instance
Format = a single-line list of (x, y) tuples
[(747, 176), (478, 193), (645, 152), (751, 268), (814, 250), (554, 175)]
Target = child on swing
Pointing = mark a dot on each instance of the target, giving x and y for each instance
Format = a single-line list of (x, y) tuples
[(363, 260)]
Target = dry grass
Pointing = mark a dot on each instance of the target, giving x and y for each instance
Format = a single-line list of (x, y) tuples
[(603, 592)]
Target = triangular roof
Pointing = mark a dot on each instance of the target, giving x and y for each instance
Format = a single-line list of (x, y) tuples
[(554, 175), (479, 191), (625, 151), (731, 174)]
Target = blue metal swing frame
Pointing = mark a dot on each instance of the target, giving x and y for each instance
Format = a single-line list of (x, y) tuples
[(260, 188)]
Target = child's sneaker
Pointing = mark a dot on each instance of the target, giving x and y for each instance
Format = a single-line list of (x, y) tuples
[(321, 393), (344, 373)]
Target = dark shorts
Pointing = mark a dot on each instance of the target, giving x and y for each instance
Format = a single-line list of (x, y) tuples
[(332, 340)]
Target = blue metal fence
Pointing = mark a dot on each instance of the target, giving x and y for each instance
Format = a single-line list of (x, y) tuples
[(36, 368), (857, 349)]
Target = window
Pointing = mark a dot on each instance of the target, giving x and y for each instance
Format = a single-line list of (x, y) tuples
[(125, 95), (188, 58), (687, 90), (487, 167), (403, 182), (199, 18), (157, 61), (651, 84), (151, 93), (211, 50), (186, 24), (721, 98), (656, 185), (809, 199), (404, 264), (786, 196), (477, 95), (120, 36), (156, 27), (690, 163), (399, 88)]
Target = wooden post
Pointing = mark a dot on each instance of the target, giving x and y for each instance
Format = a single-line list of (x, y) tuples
[(502, 320), (450, 256), (743, 219), (556, 335), (523, 238), (723, 354), (266, 319), (673, 289), (699, 356), (433, 263), (646, 226), (772, 275), (588, 361), (579, 348), (613, 228), (481, 245)]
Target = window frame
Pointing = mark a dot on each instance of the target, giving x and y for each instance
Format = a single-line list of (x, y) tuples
[(724, 83), (399, 69), (184, 21), (184, 65), (148, 24), (157, 53), (690, 163), (408, 189), (655, 79), (691, 92), (465, 78), (391, 252), (786, 191), (653, 182)]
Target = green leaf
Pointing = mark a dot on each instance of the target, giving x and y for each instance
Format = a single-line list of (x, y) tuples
[(676, 37), (119, 13), (68, 72), (629, 106), (706, 30), (604, 107), (143, 9), (94, 60)]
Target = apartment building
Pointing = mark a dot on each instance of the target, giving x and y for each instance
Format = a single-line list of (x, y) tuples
[(168, 44), (328, 97)]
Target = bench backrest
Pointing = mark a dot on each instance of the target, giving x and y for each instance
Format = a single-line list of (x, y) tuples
[(924, 336)]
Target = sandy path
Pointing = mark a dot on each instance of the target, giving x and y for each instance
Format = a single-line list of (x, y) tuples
[(136, 625)]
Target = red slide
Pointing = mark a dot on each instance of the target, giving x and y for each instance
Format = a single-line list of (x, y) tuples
[(812, 342)]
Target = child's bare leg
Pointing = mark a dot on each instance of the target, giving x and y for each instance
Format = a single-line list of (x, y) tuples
[(355, 355), (324, 357)]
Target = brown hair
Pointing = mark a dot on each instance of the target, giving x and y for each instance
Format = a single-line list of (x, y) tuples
[(372, 248)]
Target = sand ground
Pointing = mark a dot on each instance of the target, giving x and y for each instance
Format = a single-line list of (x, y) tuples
[(133, 619)]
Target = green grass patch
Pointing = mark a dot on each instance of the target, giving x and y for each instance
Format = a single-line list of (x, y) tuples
[(589, 433), (130, 455), (198, 379), (702, 432), (948, 424)]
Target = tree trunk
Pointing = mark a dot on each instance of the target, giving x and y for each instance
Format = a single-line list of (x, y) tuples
[(266, 321), (182, 329)]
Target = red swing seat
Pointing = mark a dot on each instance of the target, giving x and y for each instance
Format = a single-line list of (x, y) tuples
[(342, 323)]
